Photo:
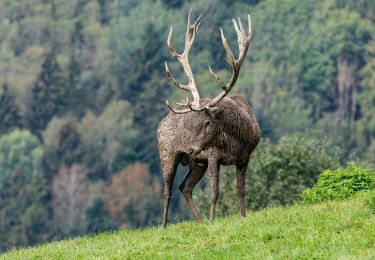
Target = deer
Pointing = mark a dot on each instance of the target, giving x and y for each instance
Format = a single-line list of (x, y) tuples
[(205, 133)]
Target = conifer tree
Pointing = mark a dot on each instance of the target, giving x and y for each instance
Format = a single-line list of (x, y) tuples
[(9, 113), (50, 95)]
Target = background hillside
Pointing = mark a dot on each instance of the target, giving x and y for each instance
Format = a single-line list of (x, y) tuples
[(82, 90)]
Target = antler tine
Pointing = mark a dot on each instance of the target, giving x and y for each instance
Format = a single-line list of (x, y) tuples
[(190, 32), (250, 26), (175, 82), (243, 45), (189, 26), (184, 111), (246, 41), (240, 34), (184, 60), (169, 43), (230, 55), (241, 28), (221, 83)]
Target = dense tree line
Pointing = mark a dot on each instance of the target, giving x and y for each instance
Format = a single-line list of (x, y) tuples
[(82, 90)]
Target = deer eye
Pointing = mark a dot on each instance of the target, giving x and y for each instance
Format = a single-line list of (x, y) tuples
[(207, 123)]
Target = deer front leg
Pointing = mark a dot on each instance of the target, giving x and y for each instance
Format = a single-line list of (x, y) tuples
[(194, 175), (213, 169), (169, 171)]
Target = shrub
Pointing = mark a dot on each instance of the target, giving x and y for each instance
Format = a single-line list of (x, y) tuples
[(277, 175), (340, 184)]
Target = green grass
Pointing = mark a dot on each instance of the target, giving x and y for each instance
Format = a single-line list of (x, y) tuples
[(332, 230)]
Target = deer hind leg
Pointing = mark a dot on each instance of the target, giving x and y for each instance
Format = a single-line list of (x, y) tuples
[(241, 176), (193, 176), (213, 169), (169, 172)]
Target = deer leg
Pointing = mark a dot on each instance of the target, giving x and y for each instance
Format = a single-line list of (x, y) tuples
[(213, 169), (193, 176), (169, 172), (241, 176)]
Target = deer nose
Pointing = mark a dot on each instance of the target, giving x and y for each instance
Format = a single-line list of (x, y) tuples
[(194, 150), (190, 151)]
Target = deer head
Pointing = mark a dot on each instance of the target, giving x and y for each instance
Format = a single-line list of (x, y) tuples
[(192, 28)]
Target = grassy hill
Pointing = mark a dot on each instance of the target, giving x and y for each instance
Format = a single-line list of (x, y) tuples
[(328, 231)]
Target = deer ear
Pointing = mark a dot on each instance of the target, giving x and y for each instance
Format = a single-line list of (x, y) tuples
[(215, 112)]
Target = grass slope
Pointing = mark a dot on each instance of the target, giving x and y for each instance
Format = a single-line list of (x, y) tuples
[(330, 230)]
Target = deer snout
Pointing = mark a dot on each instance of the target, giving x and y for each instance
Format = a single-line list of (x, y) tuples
[(194, 150)]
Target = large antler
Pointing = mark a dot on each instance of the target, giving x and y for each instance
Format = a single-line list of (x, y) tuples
[(183, 58), (243, 45)]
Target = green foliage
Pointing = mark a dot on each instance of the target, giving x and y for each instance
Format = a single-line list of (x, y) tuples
[(365, 127), (293, 119), (111, 135), (173, 3), (63, 145), (277, 175), (343, 37), (306, 61), (340, 184), (328, 231), (23, 191), (141, 84), (49, 95), (143, 45), (21, 151), (97, 218)]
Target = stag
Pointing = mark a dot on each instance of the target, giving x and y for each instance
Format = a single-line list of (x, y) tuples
[(206, 133)]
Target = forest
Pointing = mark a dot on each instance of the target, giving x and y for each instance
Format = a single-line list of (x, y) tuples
[(83, 89)]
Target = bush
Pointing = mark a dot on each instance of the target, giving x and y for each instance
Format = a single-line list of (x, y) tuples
[(277, 175), (340, 184)]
